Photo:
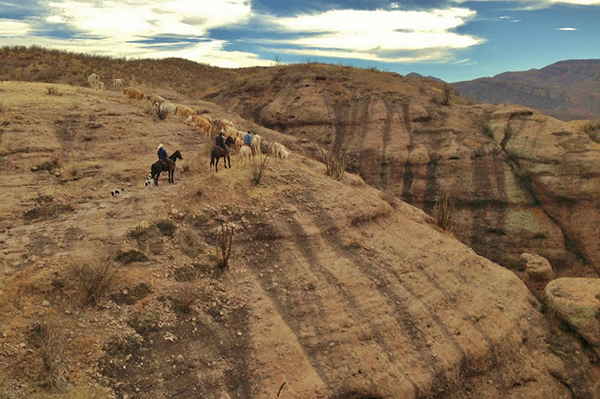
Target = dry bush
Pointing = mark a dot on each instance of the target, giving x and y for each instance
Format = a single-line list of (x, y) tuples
[(446, 94), (482, 122), (224, 240), (93, 277), (53, 91), (72, 171), (144, 322), (443, 211), (592, 129), (130, 256), (189, 242), (258, 164), (184, 296), (51, 343), (335, 161), (166, 227), (143, 231)]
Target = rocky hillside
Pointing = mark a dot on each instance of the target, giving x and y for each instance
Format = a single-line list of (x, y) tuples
[(333, 289), (567, 90), (521, 181)]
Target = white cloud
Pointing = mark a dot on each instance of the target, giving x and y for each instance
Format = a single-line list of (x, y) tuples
[(536, 4), (181, 28), (567, 29), (378, 35), (139, 29), (13, 28), (128, 20)]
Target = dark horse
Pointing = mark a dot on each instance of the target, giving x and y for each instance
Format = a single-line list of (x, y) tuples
[(168, 165), (216, 154)]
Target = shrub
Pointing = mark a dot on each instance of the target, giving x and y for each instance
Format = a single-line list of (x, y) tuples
[(144, 322), (482, 122), (130, 256), (73, 171), (224, 239), (184, 296), (258, 164), (51, 344), (94, 277), (446, 94), (166, 227), (335, 162), (443, 211), (142, 231), (53, 91)]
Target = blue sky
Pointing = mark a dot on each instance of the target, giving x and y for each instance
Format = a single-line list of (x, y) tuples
[(451, 39)]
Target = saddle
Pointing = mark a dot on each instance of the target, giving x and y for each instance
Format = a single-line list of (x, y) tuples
[(220, 149), (168, 164)]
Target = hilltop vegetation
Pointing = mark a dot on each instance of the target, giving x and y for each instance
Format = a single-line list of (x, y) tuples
[(36, 64)]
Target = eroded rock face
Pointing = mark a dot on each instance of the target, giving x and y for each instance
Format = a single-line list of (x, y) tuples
[(523, 182), (577, 302)]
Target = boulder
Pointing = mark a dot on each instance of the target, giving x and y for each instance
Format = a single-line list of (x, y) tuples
[(577, 302)]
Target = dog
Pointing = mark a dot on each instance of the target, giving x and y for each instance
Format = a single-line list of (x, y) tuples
[(148, 182), (116, 191)]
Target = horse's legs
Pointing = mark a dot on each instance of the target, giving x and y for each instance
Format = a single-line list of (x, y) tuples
[(229, 161)]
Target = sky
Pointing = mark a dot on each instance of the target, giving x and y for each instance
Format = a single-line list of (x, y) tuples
[(454, 40)]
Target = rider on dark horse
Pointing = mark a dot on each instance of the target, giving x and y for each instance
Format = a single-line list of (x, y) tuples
[(162, 157), (220, 142)]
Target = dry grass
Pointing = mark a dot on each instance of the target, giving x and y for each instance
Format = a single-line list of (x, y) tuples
[(258, 165), (93, 277), (223, 245), (51, 344), (443, 211), (335, 163), (37, 64)]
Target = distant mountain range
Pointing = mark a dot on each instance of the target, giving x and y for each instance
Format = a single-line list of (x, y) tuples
[(567, 90)]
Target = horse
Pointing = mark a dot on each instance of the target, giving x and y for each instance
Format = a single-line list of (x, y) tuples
[(168, 165), (217, 153)]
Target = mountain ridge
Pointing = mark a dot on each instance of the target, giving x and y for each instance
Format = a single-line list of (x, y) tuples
[(566, 89)]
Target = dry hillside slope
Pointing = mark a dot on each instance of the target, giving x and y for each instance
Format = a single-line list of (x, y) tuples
[(330, 289)]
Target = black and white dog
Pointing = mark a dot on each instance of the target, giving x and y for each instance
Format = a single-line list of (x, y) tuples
[(116, 191), (148, 182)]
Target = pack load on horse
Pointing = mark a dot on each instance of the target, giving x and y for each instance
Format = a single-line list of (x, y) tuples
[(164, 164)]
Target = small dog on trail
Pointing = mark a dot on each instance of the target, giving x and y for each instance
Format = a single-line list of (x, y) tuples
[(116, 191), (148, 182)]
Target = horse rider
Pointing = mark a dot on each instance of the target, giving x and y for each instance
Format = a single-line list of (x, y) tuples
[(248, 139), (220, 142), (162, 155)]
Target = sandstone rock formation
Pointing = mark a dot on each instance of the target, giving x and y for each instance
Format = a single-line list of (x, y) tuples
[(538, 273), (577, 302), (523, 182)]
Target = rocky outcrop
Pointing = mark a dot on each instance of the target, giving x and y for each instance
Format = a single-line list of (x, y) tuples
[(577, 302), (538, 273), (522, 181)]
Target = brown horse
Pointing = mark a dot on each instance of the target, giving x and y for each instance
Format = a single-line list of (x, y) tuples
[(167, 166)]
